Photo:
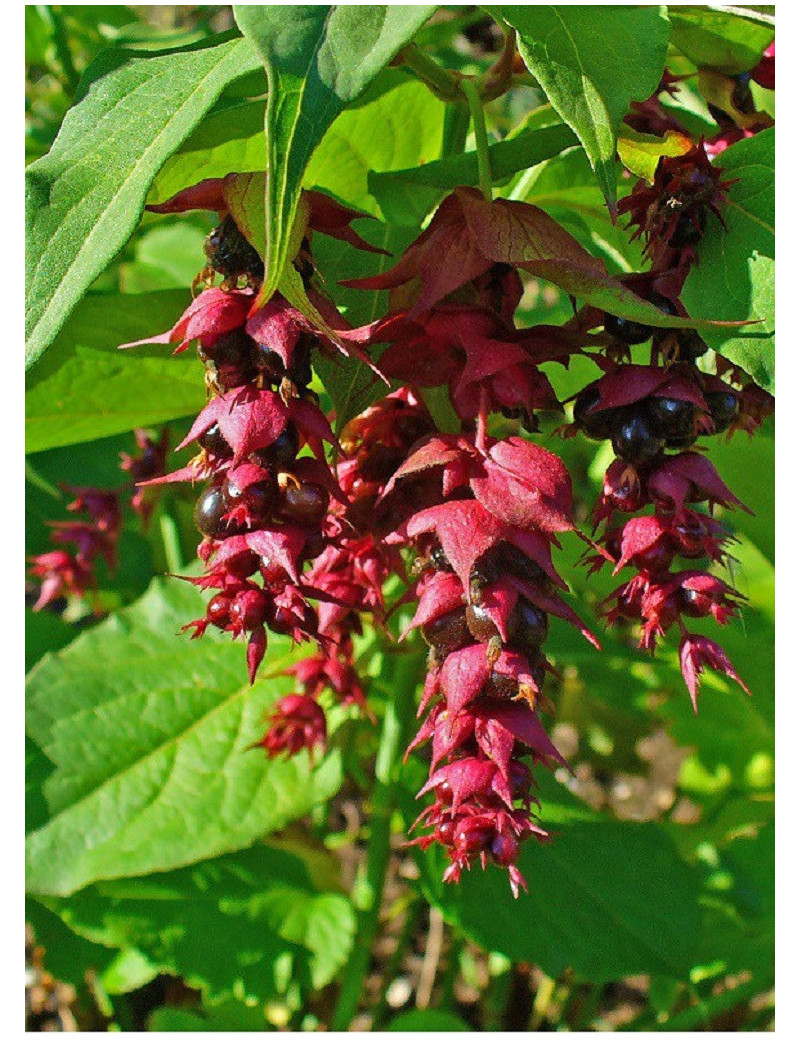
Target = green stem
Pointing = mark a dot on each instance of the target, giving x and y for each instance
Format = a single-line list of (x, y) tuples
[(368, 891), (413, 914), (481, 139), (171, 538), (443, 83)]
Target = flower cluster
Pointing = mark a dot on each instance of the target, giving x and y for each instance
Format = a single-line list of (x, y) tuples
[(297, 545), (65, 572), (650, 508), (481, 516), (271, 504)]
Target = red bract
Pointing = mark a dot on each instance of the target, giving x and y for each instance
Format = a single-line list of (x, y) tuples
[(295, 722), (467, 237), (696, 654), (671, 214)]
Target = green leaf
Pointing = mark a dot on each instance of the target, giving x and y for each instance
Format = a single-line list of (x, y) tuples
[(592, 61), (149, 734), (318, 59), (720, 39), (228, 141), (230, 1016), (407, 196), (735, 273), (85, 388), (351, 385), (86, 195), (267, 922), (352, 153), (44, 632), (606, 898), (640, 153), (427, 1020)]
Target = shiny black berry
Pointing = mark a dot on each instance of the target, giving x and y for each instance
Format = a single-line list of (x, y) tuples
[(209, 511), (723, 406), (635, 442), (672, 418), (527, 628), (213, 442), (268, 362), (259, 500), (480, 623), (688, 229), (283, 450), (627, 331), (303, 504), (691, 345)]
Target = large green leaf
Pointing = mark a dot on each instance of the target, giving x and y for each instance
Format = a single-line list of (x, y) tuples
[(86, 195), (149, 735), (735, 273), (266, 919), (606, 898), (228, 141), (352, 153), (408, 195), (85, 388), (721, 39), (318, 59), (592, 61)]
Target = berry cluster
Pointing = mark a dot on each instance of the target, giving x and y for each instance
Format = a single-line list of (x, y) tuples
[(294, 546), (271, 504), (668, 405)]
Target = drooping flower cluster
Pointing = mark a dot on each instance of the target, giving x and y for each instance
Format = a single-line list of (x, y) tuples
[(481, 515), (271, 503), (297, 546), (64, 572), (669, 405)]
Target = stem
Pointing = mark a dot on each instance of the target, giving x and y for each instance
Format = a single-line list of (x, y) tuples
[(170, 536), (369, 890), (413, 914), (443, 83), (481, 140)]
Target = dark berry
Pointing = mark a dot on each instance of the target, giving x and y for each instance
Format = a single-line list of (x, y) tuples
[(231, 348), (627, 331), (303, 504), (444, 792), (283, 450), (672, 418), (249, 609), (597, 425), (447, 633), (472, 836), (213, 442), (691, 345), (696, 604), (480, 623), (635, 442), (258, 499), (505, 849), (688, 229), (229, 252), (528, 627), (444, 831), (211, 507), (268, 362), (723, 406)]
